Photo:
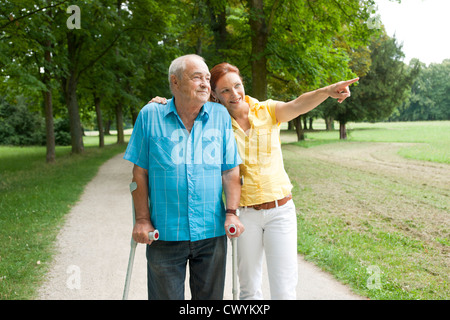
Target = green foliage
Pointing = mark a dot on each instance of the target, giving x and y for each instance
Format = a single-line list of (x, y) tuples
[(384, 87), (311, 44), (121, 54), (62, 132), (21, 127), (18, 126), (430, 95)]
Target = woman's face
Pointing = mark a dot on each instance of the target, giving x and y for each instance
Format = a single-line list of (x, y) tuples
[(230, 90)]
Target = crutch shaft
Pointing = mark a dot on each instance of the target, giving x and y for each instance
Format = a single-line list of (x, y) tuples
[(153, 235), (234, 253), (232, 230), (129, 270)]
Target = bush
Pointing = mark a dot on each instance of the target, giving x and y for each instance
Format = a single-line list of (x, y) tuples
[(62, 132), (19, 126)]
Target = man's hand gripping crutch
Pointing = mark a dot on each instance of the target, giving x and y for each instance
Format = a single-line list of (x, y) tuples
[(136, 238), (234, 231), (233, 225)]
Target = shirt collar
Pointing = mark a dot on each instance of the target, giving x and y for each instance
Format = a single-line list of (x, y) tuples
[(204, 111), (253, 106), (203, 114), (253, 103), (170, 107)]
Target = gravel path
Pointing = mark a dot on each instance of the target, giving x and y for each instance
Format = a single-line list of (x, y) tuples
[(94, 244)]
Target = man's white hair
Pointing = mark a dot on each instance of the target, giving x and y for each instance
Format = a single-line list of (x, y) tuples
[(179, 65)]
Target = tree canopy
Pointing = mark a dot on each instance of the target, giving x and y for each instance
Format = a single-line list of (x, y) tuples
[(107, 59), (429, 98)]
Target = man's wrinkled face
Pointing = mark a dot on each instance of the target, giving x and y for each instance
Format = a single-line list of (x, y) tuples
[(194, 83)]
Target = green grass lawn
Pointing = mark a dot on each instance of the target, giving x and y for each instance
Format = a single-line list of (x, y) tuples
[(34, 198), (430, 140), (362, 225), (350, 220)]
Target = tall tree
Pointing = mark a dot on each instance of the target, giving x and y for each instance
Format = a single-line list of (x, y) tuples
[(260, 27), (100, 29), (30, 28), (383, 88), (60, 51), (294, 40), (430, 94)]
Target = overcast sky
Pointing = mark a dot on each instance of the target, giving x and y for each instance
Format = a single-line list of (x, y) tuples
[(423, 26)]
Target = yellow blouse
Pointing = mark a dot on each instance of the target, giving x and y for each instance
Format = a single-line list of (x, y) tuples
[(262, 165)]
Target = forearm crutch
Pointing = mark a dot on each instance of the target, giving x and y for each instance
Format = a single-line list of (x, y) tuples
[(154, 235), (232, 231)]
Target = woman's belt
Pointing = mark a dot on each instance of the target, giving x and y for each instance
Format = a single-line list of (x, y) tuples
[(271, 204)]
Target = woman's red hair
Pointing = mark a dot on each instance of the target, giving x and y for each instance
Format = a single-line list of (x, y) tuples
[(218, 71)]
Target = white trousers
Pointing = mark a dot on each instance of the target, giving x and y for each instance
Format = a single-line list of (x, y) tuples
[(273, 231)]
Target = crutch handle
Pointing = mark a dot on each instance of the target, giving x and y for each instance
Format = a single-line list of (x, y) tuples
[(153, 235), (232, 229)]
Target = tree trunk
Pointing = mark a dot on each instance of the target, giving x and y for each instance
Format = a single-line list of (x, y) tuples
[(119, 123), (218, 16), (290, 125), (134, 115), (329, 123), (198, 47), (49, 127), (118, 108), (76, 133), (342, 131), (108, 127), (98, 111), (298, 128), (70, 88), (259, 36), (48, 108)]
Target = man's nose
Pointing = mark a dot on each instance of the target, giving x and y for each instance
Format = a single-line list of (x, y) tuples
[(204, 82)]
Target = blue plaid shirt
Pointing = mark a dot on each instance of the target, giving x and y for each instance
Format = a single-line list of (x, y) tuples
[(184, 169)]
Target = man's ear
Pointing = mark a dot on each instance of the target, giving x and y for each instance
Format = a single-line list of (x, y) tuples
[(214, 96), (174, 81)]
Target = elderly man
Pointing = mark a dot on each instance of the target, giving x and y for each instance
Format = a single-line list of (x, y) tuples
[(184, 153)]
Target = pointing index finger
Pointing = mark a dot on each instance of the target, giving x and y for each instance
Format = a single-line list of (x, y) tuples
[(349, 82)]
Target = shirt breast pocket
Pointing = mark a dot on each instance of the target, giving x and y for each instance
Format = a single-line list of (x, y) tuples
[(264, 140), (161, 154), (269, 151)]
